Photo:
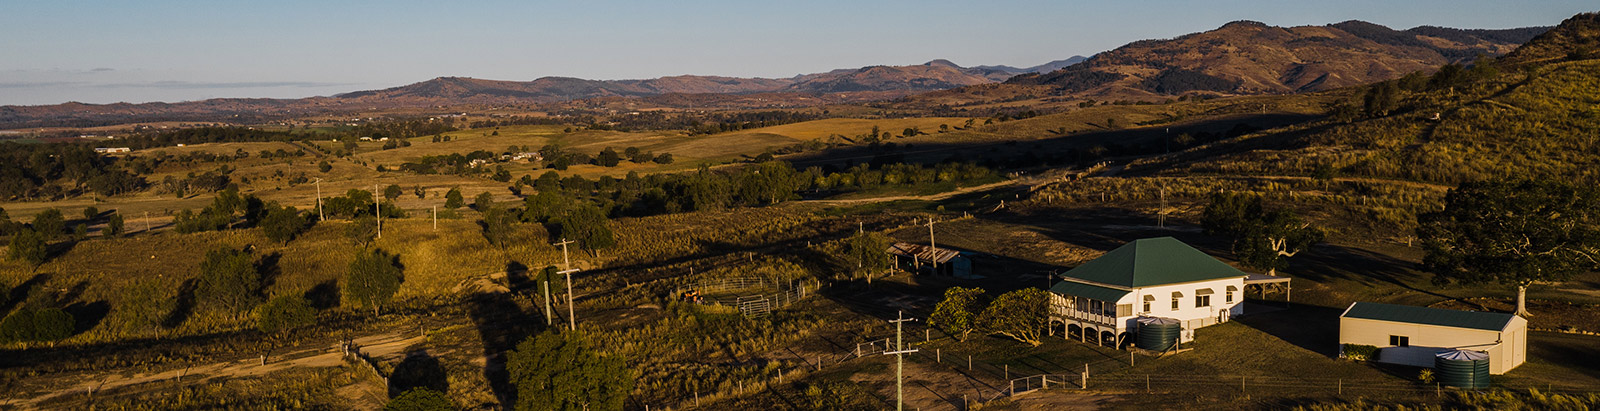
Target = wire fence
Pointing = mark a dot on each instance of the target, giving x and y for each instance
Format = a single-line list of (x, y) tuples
[(752, 296)]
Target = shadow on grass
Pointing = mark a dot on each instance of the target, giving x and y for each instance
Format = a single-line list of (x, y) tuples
[(182, 306), (87, 315), (501, 325), (1313, 328), (418, 370), (324, 295), (21, 291)]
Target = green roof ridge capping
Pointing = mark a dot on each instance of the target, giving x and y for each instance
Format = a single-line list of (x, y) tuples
[(1151, 262), (1431, 316)]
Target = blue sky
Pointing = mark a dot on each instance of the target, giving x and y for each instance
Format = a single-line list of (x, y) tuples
[(163, 50)]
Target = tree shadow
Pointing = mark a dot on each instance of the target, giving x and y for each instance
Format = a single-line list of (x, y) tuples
[(324, 295), (516, 275), (501, 325), (21, 291), (418, 370), (269, 269), (87, 315), (182, 306), (58, 249)]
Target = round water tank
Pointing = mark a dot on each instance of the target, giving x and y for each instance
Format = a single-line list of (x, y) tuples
[(1462, 369), (1158, 334)]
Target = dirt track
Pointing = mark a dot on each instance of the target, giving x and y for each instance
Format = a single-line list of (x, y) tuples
[(379, 346)]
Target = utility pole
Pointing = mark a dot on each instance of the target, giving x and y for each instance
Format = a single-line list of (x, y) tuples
[(377, 212), (568, 270), (320, 216), (899, 361), (1161, 215), (435, 210)]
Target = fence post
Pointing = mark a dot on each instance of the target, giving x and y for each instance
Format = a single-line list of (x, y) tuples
[(1008, 371), (938, 357), (1013, 388), (1084, 377), (969, 362)]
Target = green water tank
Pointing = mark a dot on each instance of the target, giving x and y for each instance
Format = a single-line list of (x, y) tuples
[(1158, 334), (1462, 369)]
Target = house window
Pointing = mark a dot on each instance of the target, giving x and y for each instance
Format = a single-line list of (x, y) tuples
[(1400, 341), (1202, 301), (1230, 296), (1147, 306), (1174, 304)]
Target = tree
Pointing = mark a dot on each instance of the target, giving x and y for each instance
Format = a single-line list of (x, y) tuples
[(90, 213), (608, 158), (1512, 233), (229, 278), (392, 192), (1019, 315), (1272, 239), (49, 324), (324, 166), (282, 223), (453, 200), (49, 223), (957, 314), (114, 226), (285, 312), (497, 226), (421, 193), (483, 201), (373, 279), (664, 158), (27, 246), (1261, 239), (362, 230), (587, 225), (420, 399), (560, 371), (867, 254)]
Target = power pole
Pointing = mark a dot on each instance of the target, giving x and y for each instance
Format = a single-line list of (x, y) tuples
[(320, 216), (568, 270), (435, 211), (1161, 215), (899, 361), (377, 212)]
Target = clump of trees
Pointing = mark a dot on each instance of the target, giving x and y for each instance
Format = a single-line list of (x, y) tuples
[(561, 371), (1019, 315), (866, 254), (1261, 239), (373, 278), (285, 312), (1516, 233)]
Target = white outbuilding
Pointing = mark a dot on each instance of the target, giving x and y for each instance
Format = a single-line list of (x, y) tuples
[(1411, 335)]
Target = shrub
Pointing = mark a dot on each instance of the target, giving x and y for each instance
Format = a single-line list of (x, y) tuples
[(373, 279), (282, 224), (229, 278), (957, 314), (1358, 352), (49, 223), (27, 246), (420, 399), (50, 324), (285, 313), (453, 200)]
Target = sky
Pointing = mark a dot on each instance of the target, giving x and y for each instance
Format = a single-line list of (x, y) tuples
[(108, 51)]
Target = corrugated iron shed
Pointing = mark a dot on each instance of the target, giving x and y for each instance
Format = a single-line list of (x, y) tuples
[(923, 253)]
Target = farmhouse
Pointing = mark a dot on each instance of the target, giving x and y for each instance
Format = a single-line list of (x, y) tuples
[(918, 258), (1412, 335), (109, 150), (1103, 300)]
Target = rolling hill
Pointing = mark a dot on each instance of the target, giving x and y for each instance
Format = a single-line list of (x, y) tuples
[(1247, 57)]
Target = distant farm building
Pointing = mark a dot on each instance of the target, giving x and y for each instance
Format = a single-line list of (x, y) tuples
[(1160, 280), (1411, 335), (111, 150), (920, 258), (529, 156)]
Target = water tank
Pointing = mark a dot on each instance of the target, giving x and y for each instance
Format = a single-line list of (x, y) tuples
[(1158, 334), (1462, 369)]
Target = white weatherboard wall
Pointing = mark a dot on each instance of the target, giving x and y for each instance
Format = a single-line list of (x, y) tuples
[(1507, 348), (1192, 317)]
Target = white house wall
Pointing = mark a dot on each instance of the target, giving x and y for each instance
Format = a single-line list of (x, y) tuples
[(1191, 316)]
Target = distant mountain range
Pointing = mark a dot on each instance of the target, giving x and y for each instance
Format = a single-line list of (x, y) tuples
[(1247, 57)]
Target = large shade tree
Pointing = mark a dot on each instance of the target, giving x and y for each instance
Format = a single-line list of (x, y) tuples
[(561, 371), (1019, 315), (373, 279), (957, 314), (1261, 239), (1512, 233)]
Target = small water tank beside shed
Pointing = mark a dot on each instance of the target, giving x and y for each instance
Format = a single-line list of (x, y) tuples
[(1462, 369), (1158, 334)]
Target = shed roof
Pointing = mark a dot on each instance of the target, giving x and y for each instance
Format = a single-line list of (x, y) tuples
[(922, 252), (1153, 261), (1089, 291), (1429, 316)]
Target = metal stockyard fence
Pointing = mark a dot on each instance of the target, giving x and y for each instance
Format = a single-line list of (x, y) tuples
[(757, 304)]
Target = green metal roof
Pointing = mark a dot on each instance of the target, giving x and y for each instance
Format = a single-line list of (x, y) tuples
[(1153, 261), (1429, 316), (1095, 292)]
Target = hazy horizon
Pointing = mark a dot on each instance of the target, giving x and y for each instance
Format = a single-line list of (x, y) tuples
[(107, 52)]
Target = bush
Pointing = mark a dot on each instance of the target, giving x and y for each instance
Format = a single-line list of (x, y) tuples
[(229, 278), (285, 313), (420, 399), (373, 279), (49, 223), (27, 246), (559, 371), (50, 324), (1358, 352)]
